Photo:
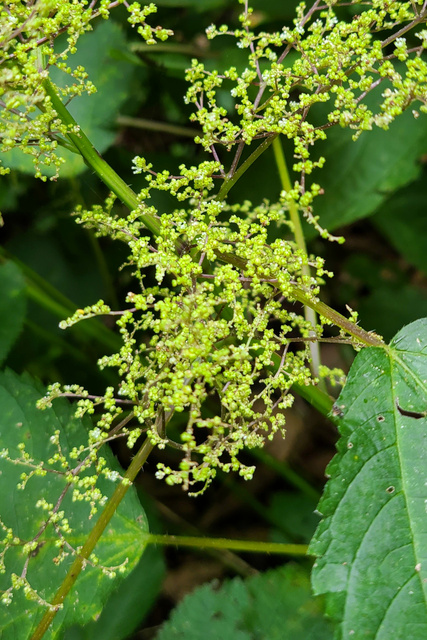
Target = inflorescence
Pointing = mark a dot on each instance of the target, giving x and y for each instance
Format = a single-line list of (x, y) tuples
[(208, 356)]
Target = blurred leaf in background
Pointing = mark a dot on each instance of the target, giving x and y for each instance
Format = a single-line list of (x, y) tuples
[(403, 221), (274, 605), (12, 306)]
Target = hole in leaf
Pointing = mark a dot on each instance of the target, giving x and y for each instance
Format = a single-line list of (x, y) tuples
[(410, 414)]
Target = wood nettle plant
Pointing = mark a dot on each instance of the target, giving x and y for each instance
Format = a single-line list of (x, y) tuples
[(210, 330)]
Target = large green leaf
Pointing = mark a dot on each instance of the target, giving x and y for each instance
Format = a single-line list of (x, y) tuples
[(276, 605), (129, 604), (12, 306), (122, 541), (403, 220), (96, 113), (372, 542), (359, 176), (385, 299)]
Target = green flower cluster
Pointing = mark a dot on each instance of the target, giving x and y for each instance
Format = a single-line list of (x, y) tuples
[(28, 32), (206, 334), (321, 60), (208, 356)]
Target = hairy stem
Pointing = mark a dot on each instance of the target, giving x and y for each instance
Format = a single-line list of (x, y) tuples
[(367, 338), (364, 337)]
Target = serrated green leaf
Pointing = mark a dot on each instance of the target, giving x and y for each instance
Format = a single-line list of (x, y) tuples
[(12, 306), (122, 541), (276, 605), (95, 113), (372, 542)]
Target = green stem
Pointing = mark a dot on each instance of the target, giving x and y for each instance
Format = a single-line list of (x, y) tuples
[(231, 179), (365, 337), (153, 125), (84, 553), (318, 398), (287, 186), (362, 336), (310, 314), (113, 181), (252, 546)]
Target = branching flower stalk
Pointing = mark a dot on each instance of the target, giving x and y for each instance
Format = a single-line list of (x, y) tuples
[(28, 32), (88, 547), (212, 331), (310, 314)]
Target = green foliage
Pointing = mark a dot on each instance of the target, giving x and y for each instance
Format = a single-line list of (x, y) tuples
[(56, 484), (360, 177), (27, 57), (372, 558), (218, 307), (274, 605), (406, 232), (95, 113), (12, 306), (128, 604)]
